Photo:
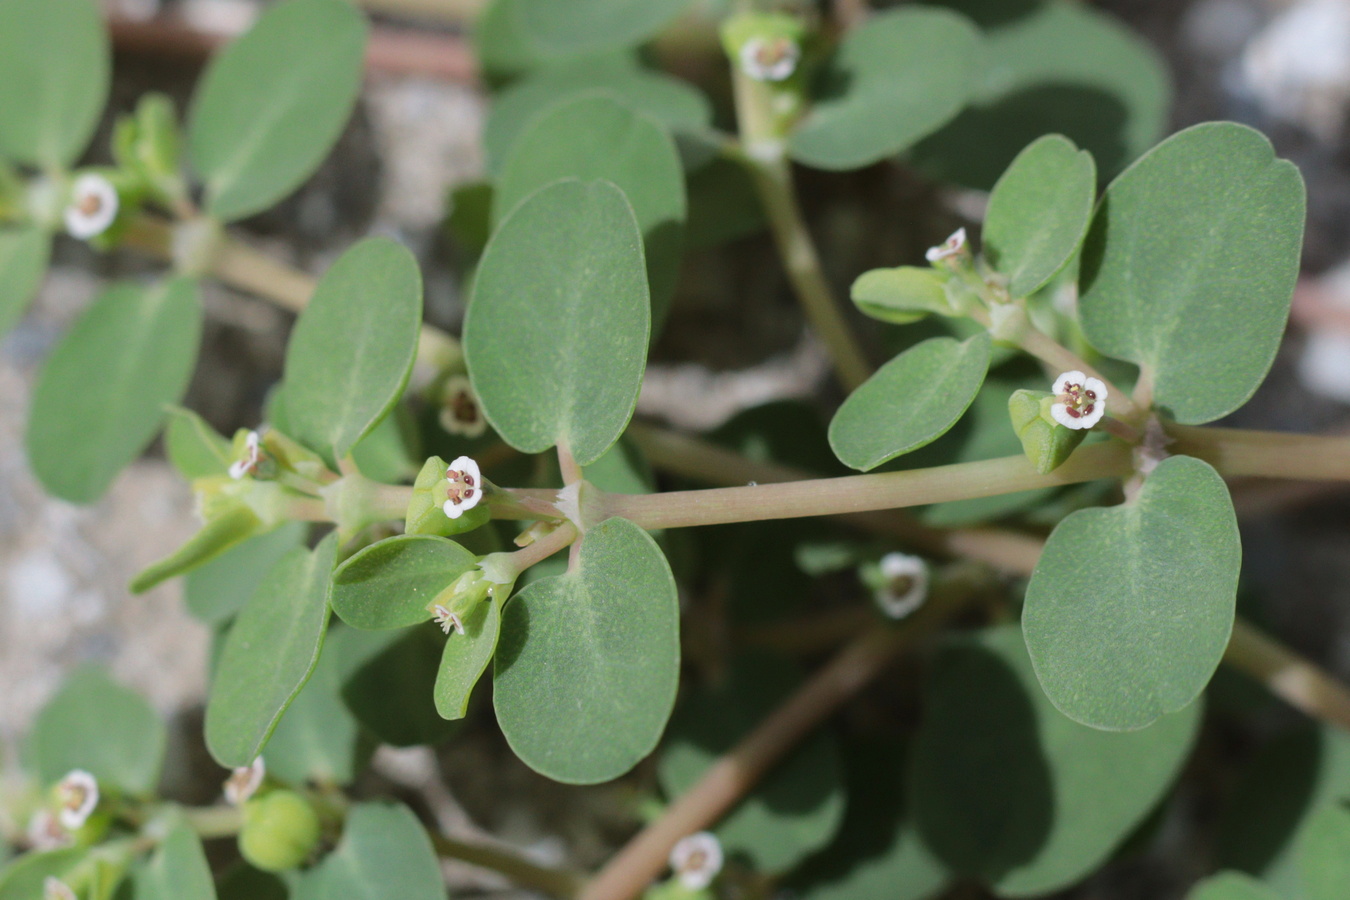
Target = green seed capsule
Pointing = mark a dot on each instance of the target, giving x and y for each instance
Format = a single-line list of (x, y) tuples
[(280, 831)]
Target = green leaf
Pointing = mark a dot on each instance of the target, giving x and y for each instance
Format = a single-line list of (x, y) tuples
[(596, 137), (466, 657), (102, 393), (391, 453), (1324, 852), (217, 590), (269, 653), (384, 853), (580, 26), (353, 347), (1271, 816), (54, 72), (1190, 263), (901, 295), (272, 104), (556, 333), (178, 869), (1231, 886), (194, 447), (1009, 790), (877, 853), (23, 879), (798, 807), (24, 252), (1130, 608), (217, 536), (901, 76), (95, 724), (390, 583), (585, 676), (1061, 68), (318, 738), (1039, 212), (389, 685), (670, 101), (909, 402)]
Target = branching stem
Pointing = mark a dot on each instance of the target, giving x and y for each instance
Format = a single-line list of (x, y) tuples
[(555, 882)]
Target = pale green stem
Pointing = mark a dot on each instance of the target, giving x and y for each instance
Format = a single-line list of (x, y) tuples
[(518, 561), (862, 493), (213, 821), (1237, 452), (764, 156)]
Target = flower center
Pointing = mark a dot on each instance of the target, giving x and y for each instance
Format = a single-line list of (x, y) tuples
[(462, 487), (769, 53), (1078, 400), (90, 204), (464, 409)]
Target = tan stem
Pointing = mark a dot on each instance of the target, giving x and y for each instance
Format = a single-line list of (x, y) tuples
[(732, 775), (1237, 452), (1297, 681)]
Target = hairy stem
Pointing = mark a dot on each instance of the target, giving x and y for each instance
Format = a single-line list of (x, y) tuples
[(862, 493), (555, 882), (735, 773)]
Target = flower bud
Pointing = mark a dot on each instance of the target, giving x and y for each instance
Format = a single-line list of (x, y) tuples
[(147, 145), (280, 831), (1044, 441), (461, 413)]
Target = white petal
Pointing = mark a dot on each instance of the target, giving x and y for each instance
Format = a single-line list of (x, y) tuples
[(1060, 412), (697, 859), (238, 469), (1092, 418), (84, 225), (1097, 386), (1073, 377), (454, 510), (777, 70), (894, 565)]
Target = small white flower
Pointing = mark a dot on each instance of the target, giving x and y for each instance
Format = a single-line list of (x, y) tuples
[(447, 620), (697, 859), (466, 487), (460, 411), (92, 207), (252, 458), (77, 793), (770, 58), (952, 247), (1080, 400), (56, 889), (45, 833), (906, 585), (244, 782)]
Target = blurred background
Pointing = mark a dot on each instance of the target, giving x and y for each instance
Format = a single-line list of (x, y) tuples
[(405, 168)]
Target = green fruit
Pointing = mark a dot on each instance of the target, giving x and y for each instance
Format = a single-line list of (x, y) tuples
[(280, 831)]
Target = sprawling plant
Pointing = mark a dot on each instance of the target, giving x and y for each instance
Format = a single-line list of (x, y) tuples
[(1060, 370)]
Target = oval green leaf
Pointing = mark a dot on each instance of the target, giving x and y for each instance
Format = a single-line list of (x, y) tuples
[(798, 806), (909, 402), (95, 724), (271, 105), (353, 347), (384, 852), (597, 137), (390, 583), (1231, 886), (194, 447), (22, 878), (581, 26), (670, 101), (901, 76), (1039, 212), (178, 870), (318, 738), (1053, 68), (1190, 264), (466, 658), (1009, 790), (1324, 852), (54, 73), (1130, 608), (901, 295), (216, 591), (556, 333), (269, 653), (24, 252), (102, 393), (585, 676)]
